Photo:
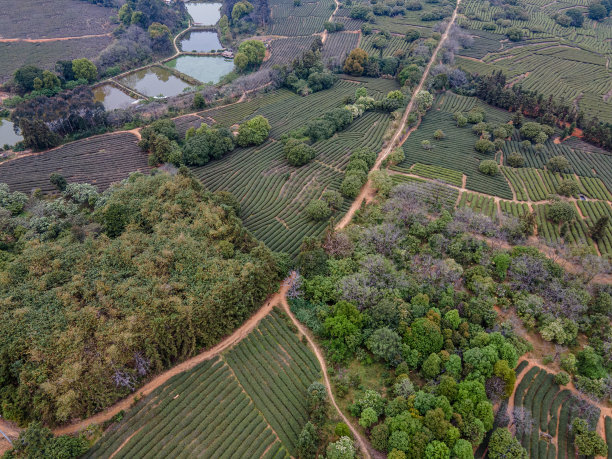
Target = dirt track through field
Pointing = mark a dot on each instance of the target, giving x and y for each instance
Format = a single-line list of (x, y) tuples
[(47, 40), (367, 192)]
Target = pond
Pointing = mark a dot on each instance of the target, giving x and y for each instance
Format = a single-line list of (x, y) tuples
[(154, 82), (204, 13), (7, 134), (207, 69), (201, 42), (111, 97)]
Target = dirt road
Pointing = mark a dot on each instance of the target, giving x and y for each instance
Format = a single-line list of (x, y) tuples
[(47, 40)]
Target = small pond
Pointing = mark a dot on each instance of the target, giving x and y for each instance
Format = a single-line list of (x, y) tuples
[(111, 97), (201, 42), (204, 13), (154, 82), (207, 69), (7, 134)]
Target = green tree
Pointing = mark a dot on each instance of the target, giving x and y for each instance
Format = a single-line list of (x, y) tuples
[(317, 210), (515, 159), (26, 75), (462, 450), (599, 228), (50, 80), (410, 74), (241, 9), (568, 187), (368, 417), (437, 450), (588, 442), (308, 442), (561, 211), (503, 445), (253, 132), (241, 61), (84, 69), (514, 34), (355, 62), (58, 181), (385, 344), (298, 153), (431, 366), (254, 50), (590, 363), (37, 135), (439, 134), (488, 167), (597, 11), (198, 101), (424, 100), (558, 164), (484, 146), (342, 449)]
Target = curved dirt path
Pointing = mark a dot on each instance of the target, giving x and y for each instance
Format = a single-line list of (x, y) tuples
[(364, 445), (47, 40), (368, 190)]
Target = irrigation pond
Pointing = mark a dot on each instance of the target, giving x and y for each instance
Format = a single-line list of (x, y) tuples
[(7, 134), (207, 69), (112, 97), (155, 81), (204, 13), (200, 41)]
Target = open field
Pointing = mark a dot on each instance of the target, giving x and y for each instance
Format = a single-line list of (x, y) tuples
[(248, 403), (272, 193), (99, 160), (17, 54), (35, 19)]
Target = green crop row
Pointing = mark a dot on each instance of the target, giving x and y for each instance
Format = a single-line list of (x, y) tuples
[(479, 203), (514, 209), (443, 174)]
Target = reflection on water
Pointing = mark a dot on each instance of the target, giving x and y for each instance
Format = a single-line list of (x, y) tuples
[(111, 97), (7, 134), (207, 69), (201, 42), (204, 13), (155, 81)]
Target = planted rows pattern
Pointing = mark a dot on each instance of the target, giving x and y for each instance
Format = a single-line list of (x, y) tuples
[(99, 160)]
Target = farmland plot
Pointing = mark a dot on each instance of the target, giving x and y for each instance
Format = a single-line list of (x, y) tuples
[(99, 160), (284, 50), (292, 20), (246, 403), (272, 193)]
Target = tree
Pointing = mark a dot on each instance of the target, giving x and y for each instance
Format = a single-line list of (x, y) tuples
[(561, 211), (317, 210), (255, 52), (84, 69), (308, 442), (342, 430), (50, 80), (597, 11), (333, 199), (241, 9), (461, 119), (431, 366), (412, 35), (562, 378), (298, 153), (439, 134), (198, 101), (410, 74), (368, 417), (588, 442), (379, 436), (558, 164), (599, 228), (437, 450), (488, 167), (424, 100), (253, 132), (317, 403), (26, 75), (385, 344), (58, 181), (355, 62), (161, 37), (514, 34), (515, 159), (37, 135), (503, 445), (590, 363), (381, 181), (484, 146), (241, 61), (462, 450), (568, 187), (342, 449)]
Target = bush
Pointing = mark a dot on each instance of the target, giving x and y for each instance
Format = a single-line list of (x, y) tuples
[(488, 167), (253, 132), (568, 187), (562, 378), (484, 146), (298, 153), (561, 211), (515, 159), (317, 210), (558, 164)]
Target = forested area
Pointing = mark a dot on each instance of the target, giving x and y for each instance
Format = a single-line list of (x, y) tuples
[(417, 299), (101, 291)]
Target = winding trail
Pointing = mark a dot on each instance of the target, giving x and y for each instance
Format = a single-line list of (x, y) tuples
[(367, 191), (47, 40)]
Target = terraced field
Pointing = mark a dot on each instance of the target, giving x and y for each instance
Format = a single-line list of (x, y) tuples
[(222, 408), (307, 18), (99, 160), (552, 410), (273, 194)]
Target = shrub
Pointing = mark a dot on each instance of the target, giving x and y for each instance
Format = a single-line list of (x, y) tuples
[(317, 210), (558, 164), (568, 187), (298, 153), (562, 378), (515, 159), (484, 146), (253, 132), (561, 211), (488, 167)]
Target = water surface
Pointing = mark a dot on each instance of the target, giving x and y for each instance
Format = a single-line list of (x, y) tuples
[(204, 13), (207, 69), (201, 42), (7, 134), (155, 82), (111, 97)]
